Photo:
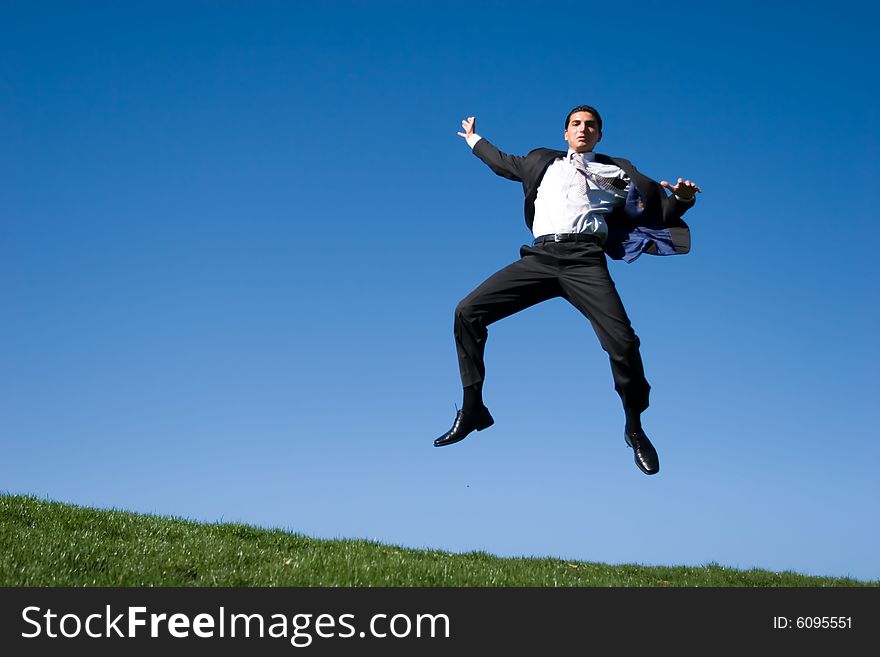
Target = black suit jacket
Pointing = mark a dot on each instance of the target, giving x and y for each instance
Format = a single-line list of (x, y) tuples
[(649, 222)]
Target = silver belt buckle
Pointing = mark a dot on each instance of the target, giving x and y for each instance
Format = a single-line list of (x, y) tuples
[(557, 237)]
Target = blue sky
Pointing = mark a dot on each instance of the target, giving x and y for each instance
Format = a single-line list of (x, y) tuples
[(233, 236)]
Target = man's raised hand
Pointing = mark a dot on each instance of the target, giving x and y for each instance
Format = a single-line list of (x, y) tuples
[(468, 125), (684, 189)]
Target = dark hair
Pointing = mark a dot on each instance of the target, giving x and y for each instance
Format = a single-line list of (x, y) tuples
[(584, 108)]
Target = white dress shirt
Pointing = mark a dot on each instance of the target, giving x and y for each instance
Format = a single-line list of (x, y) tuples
[(561, 207)]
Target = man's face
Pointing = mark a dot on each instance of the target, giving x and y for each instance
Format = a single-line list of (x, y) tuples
[(582, 133)]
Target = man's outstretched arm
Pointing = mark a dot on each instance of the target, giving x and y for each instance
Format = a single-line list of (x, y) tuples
[(507, 166)]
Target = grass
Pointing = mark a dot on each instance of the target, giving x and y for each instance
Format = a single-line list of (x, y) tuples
[(44, 543)]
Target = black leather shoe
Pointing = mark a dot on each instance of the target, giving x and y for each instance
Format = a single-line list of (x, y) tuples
[(646, 455), (463, 425)]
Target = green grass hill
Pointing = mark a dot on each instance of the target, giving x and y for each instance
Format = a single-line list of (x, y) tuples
[(45, 543)]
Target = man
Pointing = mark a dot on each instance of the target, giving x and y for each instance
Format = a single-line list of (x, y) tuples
[(580, 206)]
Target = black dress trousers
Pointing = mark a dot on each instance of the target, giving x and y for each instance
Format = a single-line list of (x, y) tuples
[(575, 271)]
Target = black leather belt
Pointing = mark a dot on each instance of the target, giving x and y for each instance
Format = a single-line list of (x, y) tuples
[(567, 237)]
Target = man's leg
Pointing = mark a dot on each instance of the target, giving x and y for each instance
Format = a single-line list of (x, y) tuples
[(516, 287), (521, 284), (587, 284)]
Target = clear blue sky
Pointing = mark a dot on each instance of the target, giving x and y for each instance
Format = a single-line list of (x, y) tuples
[(232, 236)]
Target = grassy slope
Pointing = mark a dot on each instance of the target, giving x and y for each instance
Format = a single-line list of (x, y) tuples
[(51, 544)]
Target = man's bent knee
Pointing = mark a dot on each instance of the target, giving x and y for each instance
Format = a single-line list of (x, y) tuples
[(464, 312)]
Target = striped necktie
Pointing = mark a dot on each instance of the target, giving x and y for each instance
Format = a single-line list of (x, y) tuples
[(578, 163), (611, 184)]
